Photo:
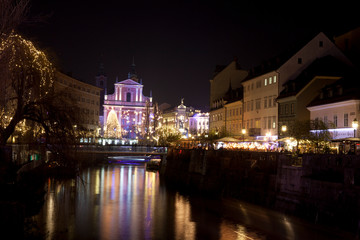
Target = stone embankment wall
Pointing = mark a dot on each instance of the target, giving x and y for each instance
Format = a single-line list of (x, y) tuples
[(323, 188)]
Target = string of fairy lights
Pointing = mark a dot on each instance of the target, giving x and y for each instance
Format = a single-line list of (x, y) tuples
[(27, 76)]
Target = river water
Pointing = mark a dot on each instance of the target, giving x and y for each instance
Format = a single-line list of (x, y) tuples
[(127, 202)]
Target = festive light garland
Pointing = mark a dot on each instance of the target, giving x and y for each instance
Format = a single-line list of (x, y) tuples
[(28, 75)]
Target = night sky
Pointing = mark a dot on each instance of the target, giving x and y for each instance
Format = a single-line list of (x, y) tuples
[(176, 44)]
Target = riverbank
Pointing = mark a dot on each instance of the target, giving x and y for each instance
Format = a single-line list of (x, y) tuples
[(320, 188)]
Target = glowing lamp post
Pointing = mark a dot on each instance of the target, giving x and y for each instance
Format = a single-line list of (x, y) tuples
[(283, 129), (355, 125), (243, 131)]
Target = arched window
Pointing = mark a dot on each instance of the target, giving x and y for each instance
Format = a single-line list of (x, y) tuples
[(128, 97)]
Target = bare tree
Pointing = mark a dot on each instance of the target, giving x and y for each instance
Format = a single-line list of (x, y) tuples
[(26, 79), (12, 14)]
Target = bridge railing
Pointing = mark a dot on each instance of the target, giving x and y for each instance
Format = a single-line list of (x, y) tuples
[(122, 148)]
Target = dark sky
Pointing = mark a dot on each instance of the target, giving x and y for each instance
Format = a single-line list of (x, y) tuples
[(176, 44)]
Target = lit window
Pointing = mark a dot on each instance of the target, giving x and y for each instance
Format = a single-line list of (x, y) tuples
[(270, 80), (274, 122), (274, 79), (265, 83)]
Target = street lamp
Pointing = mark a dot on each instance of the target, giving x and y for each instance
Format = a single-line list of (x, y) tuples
[(243, 131), (355, 125), (283, 129)]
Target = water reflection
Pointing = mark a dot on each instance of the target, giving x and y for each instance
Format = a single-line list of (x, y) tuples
[(128, 202)]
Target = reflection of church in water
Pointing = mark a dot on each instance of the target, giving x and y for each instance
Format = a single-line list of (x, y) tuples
[(127, 111)]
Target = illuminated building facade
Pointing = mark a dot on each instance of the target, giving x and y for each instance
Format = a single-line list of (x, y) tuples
[(299, 92), (199, 123), (86, 97), (127, 112), (185, 119), (177, 118), (225, 80), (234, 118), (264, 83), (338, 106)]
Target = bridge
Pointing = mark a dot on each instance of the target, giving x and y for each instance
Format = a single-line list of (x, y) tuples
[(123, 150)]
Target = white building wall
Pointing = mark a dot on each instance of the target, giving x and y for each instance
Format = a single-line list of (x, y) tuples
[(327, 112), (260, 105)]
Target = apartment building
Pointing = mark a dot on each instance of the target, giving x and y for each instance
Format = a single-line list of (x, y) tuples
[(85, 96), (234, 118), (225, 81), (338, 106), (265, 82)]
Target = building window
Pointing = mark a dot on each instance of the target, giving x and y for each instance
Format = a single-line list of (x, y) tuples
[(274, 79), (265, 119), (270, 101), (265, 102), (335, 120), (299, 60), (321, 43), (340, 90), (330, 92), (274, 122), (346, 120), (128, 97), (292, 108), (270, 80), (265, 82), (257, 104)]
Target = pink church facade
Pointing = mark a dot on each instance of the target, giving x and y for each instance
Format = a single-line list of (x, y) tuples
[(126, 111)]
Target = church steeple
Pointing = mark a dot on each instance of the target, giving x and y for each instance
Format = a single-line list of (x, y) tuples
[(101, 71), (132, 74), (101, 82)]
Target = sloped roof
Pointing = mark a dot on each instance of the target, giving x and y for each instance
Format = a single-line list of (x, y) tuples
[(350, 89), (128, 82), (277, 61), (325, 66)]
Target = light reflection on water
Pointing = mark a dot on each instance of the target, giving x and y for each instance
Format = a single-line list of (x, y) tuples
[(128, 202)]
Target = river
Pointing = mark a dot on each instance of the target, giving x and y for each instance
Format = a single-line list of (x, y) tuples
[(127, 202)]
